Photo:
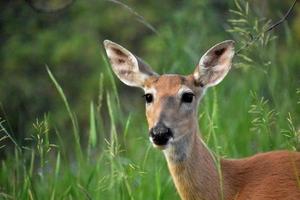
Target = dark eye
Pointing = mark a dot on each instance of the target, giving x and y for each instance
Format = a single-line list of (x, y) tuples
[(148, 98), (187, 97)]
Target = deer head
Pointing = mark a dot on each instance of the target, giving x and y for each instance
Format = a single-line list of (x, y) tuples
[(171, 99)]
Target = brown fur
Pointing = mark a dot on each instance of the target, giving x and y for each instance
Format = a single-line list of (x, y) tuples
[(272, 175)]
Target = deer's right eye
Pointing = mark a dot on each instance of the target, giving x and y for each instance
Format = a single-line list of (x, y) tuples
[(187, 97), (148, 98)]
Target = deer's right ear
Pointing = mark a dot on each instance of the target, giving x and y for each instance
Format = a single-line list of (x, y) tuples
[(130, 69)]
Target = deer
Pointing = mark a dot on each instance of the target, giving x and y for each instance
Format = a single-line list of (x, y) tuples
[(172, 101)]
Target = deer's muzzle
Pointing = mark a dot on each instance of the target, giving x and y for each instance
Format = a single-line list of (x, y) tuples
[(160, 134)]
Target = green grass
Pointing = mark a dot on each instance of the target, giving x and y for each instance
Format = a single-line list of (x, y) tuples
[(256, 108)]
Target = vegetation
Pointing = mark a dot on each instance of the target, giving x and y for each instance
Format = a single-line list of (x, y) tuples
[(70, 130)]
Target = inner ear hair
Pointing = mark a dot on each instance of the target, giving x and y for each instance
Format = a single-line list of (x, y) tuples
[(212, 58), (118, 52), (219, 52)]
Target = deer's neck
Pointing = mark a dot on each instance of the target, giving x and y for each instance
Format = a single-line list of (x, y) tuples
[(193, 169)]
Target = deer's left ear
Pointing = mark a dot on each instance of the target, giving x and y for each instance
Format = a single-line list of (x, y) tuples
[(214, 64)]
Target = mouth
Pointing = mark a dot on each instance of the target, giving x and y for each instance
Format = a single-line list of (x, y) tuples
[(162, 143)]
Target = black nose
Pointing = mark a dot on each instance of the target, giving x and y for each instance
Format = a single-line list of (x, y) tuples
[(160, 134)]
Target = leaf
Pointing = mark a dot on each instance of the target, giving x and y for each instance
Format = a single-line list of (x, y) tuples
[(92, 131), (236, 12), (238, 21), (237, 4), (246, 58)]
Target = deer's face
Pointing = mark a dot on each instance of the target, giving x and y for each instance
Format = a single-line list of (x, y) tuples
[(171, 100), (171, 107)]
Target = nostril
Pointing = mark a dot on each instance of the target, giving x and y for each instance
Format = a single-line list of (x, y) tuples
[(170, 133), (160, 134)]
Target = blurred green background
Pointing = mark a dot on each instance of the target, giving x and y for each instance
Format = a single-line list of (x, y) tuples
[(94, 145)]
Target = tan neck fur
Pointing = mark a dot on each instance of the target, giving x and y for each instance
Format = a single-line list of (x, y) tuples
[(193, 169)]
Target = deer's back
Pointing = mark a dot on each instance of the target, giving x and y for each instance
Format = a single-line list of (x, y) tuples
[(273, 175)]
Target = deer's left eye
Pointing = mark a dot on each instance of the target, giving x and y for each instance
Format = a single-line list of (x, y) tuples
[(148, 98), (187, 97)]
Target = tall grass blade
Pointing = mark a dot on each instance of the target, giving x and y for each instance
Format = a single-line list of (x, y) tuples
[(92, 131), (6, 133), (112, 81), (71, 114)]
